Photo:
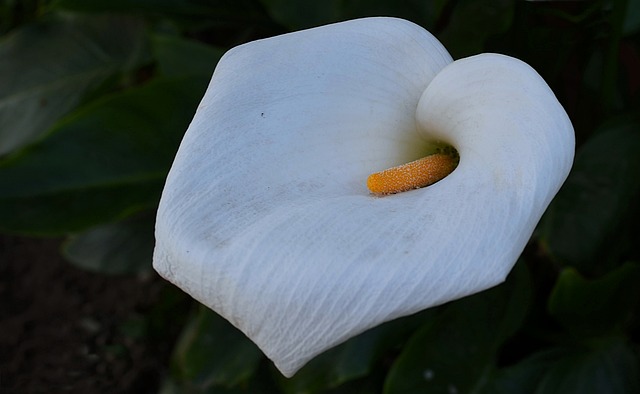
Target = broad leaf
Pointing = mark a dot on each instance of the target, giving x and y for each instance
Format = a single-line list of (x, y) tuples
[(46, 69), (186, 7), (473, 22), (116, 248), (632, 18), (589, 222), (71, 211), (610, 367), (297, 15), (260, 383), (457, 351), (212, 353), (524, 377), (424, 13), (599, 306), (243, 15), (354, 359), (115, 150), (177, 56)]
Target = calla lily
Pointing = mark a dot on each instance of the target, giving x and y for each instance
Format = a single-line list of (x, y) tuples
[(266, 217)]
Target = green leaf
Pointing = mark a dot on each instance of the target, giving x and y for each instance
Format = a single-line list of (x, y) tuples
[(524, 377), (48, 68), (424, 13), (177, 56), (610, 367), (631, 22), (187, 7), (353, 359), (260, 383), (473, 22), (598, 306), (368, 385), (116, 248), (72, 211), (115, 150), (297, 15), (243, 15), (590, 222), (212, 353), (457, 351)]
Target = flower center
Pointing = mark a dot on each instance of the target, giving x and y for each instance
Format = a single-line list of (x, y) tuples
[(414, 175)]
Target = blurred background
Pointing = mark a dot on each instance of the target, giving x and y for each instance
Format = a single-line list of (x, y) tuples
[(94, 99)]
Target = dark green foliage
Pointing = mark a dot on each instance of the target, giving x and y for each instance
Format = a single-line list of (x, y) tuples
[(103, 162), (354, 359), (609, 366), (592, 211), (597, 307), (465, 337), (114, 248), (96, 95), (49, 67), (297, 15), (211, 352)]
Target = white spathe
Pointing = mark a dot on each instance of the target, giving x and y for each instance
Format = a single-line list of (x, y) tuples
[(266, 218)]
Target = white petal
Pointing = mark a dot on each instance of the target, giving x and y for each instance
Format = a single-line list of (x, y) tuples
[(266, 218), (515, 140)]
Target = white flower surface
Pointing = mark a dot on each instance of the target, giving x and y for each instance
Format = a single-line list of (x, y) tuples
[(266, 217)]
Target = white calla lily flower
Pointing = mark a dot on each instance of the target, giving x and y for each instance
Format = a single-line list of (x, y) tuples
[(266, 217)]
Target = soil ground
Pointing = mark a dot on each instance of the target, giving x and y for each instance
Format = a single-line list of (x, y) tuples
[(66, 330)]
